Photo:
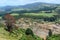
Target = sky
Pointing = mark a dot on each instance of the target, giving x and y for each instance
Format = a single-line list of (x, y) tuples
[(24, 2)]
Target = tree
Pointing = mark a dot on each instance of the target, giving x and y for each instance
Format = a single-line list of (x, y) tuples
[(50, 33), (9, 20)]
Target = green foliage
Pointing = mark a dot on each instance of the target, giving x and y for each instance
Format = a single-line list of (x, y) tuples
[(18, 34), (57, 10), (30, 38), (1, 25), (29, 32), (54, 37), (50, 33)]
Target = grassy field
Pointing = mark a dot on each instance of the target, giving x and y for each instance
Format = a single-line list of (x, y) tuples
[(0, 17), (40, 14), (15, 14), (35, 14), (4, 35)]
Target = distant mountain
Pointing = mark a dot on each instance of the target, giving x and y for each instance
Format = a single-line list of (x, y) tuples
[(29, 6), (39, 5), (32, 6)]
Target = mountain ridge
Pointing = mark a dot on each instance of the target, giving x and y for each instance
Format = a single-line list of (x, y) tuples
[(28, 7)]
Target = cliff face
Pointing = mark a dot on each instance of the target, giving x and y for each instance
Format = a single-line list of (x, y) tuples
[(40, 29)]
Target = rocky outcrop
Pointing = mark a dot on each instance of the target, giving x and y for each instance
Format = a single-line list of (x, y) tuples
[(40, 29)]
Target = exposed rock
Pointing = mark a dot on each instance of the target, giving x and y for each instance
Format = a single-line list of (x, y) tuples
[(39, 28)]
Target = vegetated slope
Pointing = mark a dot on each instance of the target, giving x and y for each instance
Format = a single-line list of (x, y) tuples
[(16, 35)]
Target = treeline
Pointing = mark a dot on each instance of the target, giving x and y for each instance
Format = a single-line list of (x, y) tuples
[(35, 10), (43, 18)]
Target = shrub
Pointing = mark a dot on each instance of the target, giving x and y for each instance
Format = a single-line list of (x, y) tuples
[(50, 33), (29, 32)]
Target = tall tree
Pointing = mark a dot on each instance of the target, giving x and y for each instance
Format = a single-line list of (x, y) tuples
[(9, 20)]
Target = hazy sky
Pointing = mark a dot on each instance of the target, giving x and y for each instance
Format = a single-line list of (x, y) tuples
[(23, 2)]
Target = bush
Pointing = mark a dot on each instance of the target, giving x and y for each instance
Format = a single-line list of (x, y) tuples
[(50, 33), (29, 32)]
